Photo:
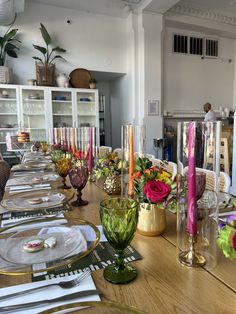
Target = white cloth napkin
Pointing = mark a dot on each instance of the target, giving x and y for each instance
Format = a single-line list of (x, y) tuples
[(26, 188), (14, 221), (46, 293)]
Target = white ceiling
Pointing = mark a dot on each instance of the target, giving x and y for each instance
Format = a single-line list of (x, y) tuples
[(226, 7), (121, 8)]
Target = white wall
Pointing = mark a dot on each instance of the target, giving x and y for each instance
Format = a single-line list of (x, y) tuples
[(153, 26), (189, 81), (95, 42)]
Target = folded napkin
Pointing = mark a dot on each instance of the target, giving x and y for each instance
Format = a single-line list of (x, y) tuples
[(10, 222), (25, 188), (46, 293), (33, 179)]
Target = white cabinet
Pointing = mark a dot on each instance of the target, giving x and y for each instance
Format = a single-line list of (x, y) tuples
[(36, 109), (34, 112), (61, 106), (73, 107), (9, 113), (86, 109)]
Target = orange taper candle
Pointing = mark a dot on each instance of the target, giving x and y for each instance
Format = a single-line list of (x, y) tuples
[(131, 161)]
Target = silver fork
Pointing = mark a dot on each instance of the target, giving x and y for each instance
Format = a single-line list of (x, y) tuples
[(63, 284)]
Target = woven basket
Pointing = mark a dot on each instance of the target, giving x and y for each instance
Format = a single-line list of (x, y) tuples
[(45, 74)]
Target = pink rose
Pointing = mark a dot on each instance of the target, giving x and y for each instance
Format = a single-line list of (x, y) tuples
[(234, 241), (156, 191)]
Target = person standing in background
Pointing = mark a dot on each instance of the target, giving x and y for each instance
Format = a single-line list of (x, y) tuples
[(210, 115)]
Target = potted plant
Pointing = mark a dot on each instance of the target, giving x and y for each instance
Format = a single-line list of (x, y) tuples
[(9, 48), (155, 190), (92, 83), (45, 68), (109, 167)]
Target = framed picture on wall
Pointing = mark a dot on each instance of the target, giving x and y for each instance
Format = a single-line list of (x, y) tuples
[(153, 107)]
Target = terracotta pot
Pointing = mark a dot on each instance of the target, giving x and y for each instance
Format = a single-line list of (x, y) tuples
[(152, 219), (112, 185)]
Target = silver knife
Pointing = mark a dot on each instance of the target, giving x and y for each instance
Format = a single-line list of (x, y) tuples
[(75, 295)]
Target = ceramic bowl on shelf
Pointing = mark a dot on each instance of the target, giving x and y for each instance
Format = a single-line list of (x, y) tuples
[(60, 97), (85, 99)]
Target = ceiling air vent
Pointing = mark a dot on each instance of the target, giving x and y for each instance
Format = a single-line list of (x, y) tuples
[(211, 48), (180, 43), (192, 45), (196, 46)]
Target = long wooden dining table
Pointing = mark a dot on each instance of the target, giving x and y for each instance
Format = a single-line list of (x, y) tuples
[(163, 285)]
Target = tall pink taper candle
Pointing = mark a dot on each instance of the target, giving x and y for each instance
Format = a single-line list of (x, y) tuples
[(90, 156), (192, 199)]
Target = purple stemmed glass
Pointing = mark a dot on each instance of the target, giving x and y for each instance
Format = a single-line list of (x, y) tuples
[(78, 177)]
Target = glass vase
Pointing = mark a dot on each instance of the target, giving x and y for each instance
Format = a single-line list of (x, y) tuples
[(198, 153), (133, 139)]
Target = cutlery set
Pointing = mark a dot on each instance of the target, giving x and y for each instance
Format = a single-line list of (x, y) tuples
[(65, 284)]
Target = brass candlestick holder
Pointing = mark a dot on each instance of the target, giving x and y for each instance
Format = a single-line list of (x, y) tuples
[(192, 258)]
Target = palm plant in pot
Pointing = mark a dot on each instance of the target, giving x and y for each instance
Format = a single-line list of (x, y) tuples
[(8, 47), (45, 68)]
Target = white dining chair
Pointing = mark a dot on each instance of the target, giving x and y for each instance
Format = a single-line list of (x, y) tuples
[(103, 151)]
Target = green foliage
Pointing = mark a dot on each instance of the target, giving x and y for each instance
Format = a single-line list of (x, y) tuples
[(93, 80), (224, 241), (8, 44), (108, 165), (48, 52)]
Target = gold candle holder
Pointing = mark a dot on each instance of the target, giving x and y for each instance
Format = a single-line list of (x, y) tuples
[(192, 258)]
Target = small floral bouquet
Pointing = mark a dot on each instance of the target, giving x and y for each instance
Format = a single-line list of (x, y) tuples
[(227, 237), (153, 184), (109, 165)]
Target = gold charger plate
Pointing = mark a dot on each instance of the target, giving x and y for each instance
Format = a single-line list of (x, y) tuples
[(80, 78), (25, 201), (8, 267)]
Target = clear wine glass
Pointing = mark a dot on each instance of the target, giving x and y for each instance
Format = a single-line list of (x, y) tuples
[(119, 218)]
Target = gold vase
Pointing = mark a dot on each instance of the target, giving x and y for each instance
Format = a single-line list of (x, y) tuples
[(112, 185), (152, 219)]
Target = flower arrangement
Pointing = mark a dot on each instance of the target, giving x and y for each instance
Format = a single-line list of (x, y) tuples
[(227, 237), (153, 184), (108, 165)]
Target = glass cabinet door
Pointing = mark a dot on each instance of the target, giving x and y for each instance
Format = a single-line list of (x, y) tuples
[(62, 112), (86, 108), (34, 119), (9, 111)]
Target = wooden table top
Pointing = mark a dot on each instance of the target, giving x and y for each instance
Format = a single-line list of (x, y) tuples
[(163, 285)]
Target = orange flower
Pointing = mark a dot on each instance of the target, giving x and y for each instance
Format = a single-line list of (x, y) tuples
[(137, 175)]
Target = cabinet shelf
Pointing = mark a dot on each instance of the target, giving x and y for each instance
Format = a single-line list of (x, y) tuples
[(33, 129), (33, 100), (85, 102), (7, 99), (62, 101), (62, 114), (33, 114), (8, 114), (86, 115), (8, 129)]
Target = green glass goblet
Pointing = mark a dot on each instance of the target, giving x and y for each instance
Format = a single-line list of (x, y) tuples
[(119, 218)]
